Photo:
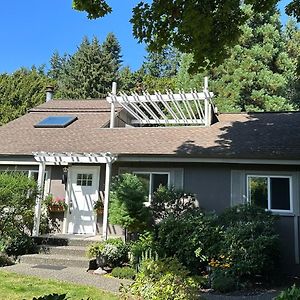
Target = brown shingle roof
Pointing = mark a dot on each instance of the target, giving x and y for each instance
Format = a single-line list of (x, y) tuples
[(257, 135)]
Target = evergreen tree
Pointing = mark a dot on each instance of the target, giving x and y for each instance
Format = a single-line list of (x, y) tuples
[(20, 91), (162, 64), (258, 75), (88, 73)]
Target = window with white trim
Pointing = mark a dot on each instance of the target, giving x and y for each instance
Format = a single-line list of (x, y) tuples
[(152, 181), (270, 192)]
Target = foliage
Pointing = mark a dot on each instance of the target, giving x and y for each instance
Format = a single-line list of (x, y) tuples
[(52, 297), (17, 200), (20, 244), (137, 249), (51, 201), (127, 208), (90, 71), (223, 281), (292, 293), (192, 237), (123, 273), (5, 260), (206, 31), (21, 91), (27, 287), (114, 251), (249, 244), (169, 201), (260, 73), (163, 279)]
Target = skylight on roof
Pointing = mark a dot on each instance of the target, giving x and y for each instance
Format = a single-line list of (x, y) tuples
[(56, 122)]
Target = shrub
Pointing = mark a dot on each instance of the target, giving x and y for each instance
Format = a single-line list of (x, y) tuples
[(192, 238), (143, 247), (223, 281), (5, 260), (19, 245), (17, 201), (249, 242), (127, 198), (168, 201), (292, 293), (123, 273), (52, 297), (114, 251), (163, 279)]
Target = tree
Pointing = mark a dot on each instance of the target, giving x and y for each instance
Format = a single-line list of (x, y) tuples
[(127, 208), (204, 28), (259, 74), (163, 64), (90, 71), (20, 91)]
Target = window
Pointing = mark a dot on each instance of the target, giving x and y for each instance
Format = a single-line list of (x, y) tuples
[(270, 192), (84, 179), (153, 180), (56, 122)]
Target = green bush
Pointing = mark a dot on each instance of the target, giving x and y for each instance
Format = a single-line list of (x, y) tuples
[(123, 273), (292, 293), (191, 237), (114, 251), (249, 244), (143, 246), (5, 260), (223, 281), (162, 279), (127, 208), (19, 245), (17, 201), (169, 201), (52, 297)]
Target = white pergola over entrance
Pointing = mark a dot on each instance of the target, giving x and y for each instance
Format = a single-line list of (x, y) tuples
[(192, 108), (66, 158)]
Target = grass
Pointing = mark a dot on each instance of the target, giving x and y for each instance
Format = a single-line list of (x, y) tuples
[(18, 287)]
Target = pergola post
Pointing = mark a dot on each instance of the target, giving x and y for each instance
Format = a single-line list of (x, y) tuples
[(112, 106), (106, 198), (39, 198)]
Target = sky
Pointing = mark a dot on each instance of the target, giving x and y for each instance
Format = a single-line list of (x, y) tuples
[(32, 30)]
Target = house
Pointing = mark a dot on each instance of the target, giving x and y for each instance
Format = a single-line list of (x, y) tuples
[(227, 159)]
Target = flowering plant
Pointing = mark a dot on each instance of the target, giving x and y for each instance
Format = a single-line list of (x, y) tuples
[(55, 203)]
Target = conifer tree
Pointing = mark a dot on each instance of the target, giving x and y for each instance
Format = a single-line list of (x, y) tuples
[(20, 91), (259, 74)]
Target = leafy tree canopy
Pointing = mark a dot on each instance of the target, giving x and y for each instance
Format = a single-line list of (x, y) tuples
[(204, 28)]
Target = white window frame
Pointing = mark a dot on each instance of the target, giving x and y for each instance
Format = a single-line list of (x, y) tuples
[(269, 188), (150, 182)]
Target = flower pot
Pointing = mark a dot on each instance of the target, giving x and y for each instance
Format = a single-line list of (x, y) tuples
[(101, 261), (99, 211), (56, 208)]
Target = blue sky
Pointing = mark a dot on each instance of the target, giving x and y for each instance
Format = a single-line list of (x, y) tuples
[(31, 30)]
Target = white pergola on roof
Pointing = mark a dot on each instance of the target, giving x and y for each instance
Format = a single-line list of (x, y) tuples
[(62, 158), (192, 108)]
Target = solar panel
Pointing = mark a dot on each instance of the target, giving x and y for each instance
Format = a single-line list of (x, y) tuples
[(56, 122)]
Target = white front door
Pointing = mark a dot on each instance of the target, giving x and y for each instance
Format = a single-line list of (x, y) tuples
[(82, 193)]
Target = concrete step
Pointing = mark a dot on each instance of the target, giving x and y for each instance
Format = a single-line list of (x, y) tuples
[(65, 241), (78, 251), (55, 260)]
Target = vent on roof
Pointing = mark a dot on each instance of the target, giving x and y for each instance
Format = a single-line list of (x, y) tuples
[(56, 122)]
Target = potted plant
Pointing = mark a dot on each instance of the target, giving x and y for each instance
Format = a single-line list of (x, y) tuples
[(99, 207), (55, 204)]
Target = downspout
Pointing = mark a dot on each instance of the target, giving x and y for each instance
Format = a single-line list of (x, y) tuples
[(39, 198), (108, 170)]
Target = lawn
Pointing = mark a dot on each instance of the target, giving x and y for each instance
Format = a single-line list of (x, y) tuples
[(18, 287)]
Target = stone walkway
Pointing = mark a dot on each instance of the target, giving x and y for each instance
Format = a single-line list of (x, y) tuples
[(81, 276), (68, 274)]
